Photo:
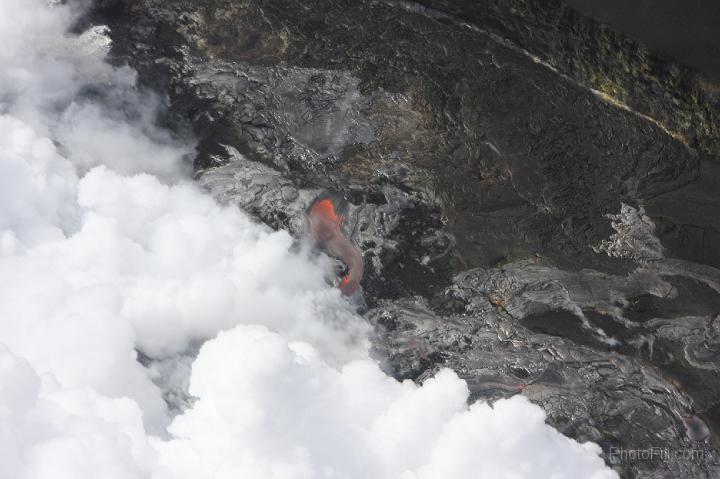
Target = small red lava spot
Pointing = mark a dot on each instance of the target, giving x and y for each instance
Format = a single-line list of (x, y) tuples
[(327, 209), (324, 221), (326, 229)]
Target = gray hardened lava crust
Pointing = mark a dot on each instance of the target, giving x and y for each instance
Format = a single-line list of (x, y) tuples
[(534, 194)]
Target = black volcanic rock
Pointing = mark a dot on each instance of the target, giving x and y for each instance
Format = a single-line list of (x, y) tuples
[(683, 101), (520, 222)]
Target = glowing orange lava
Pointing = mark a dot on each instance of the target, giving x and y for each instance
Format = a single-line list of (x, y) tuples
[(326, 228)]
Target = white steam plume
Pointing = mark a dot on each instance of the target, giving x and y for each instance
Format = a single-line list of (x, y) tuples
[(106, 248)]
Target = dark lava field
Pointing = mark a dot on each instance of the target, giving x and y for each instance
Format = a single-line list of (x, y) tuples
[(535, 193)]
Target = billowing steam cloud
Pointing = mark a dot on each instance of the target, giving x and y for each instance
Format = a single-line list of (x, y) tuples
[(105, 249)]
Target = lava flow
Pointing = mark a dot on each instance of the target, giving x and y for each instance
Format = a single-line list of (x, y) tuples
[(326, 221)]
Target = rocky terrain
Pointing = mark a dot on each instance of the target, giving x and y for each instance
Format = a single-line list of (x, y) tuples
[(535, 195)]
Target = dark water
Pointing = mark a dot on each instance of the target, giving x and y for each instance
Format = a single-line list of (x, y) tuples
[(688, 31)]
